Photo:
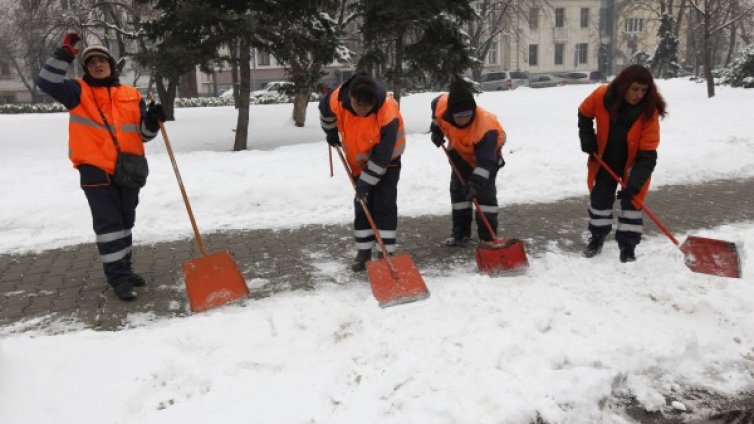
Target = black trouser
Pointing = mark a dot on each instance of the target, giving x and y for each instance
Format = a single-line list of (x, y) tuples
[(462, 208), (601, 199), (382, 203), (113, 213)]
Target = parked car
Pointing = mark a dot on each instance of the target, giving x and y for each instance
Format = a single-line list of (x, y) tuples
[(274, 88), (583, 77), (504, 80), (476, 88), (544, 80)]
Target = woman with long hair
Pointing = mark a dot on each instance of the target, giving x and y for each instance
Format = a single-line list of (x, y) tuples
[(627, 112)]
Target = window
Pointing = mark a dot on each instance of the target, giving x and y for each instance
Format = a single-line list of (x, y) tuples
[(7, 98), (4, 68), (263, 58), (634, 25), (559, 17), (533, 54), (533, 18), (582, 50), (492, 54), (559, 53), (584, 17)]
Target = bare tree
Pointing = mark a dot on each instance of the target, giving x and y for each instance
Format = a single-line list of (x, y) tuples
[(496, 18), (715, 16)]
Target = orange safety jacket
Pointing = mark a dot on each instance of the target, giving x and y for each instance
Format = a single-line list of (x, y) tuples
[(463, 140), (360, 134), (89, 141), (643, 135)]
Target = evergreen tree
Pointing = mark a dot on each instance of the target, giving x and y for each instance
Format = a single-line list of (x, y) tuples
[(664, 63), (417, 34), (305, 39), (741, 72)]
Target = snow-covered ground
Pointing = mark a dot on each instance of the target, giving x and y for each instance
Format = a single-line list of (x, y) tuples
[(562, 341), (288, 186)]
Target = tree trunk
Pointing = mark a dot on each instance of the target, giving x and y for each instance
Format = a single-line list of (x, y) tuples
[(679, 20), (300, 103), (167, 96), (234, 71), (707, 48), (398, 68), (242, 125)]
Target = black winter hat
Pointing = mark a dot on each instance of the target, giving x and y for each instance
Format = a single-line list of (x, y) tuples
[(460, 97)]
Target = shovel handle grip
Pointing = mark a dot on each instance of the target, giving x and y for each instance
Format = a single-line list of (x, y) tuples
[(473, 199), (376, 232), (636, 201)]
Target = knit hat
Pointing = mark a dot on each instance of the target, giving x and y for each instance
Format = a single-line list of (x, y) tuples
[(97, 50), (460, 97)]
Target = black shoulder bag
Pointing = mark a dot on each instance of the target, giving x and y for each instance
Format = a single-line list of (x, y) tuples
[(130, 170)]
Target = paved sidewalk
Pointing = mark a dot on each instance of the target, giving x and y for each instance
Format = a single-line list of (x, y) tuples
[(67, 284)]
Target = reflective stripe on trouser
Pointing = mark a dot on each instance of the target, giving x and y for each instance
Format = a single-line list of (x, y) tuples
[(601, 199), (462, 208), (382, 204), (113, 211), (630, 224)]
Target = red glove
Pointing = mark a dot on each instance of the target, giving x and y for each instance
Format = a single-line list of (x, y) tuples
[(70, 41)]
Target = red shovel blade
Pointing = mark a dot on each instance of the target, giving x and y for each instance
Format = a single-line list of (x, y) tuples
[(710, 256), (389, 290), (213, 280), (501, 256)]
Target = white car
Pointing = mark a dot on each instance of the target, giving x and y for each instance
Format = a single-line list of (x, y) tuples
[(271, 89), (274, 89)]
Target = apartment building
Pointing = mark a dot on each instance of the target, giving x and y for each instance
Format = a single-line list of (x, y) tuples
[(557, 36)]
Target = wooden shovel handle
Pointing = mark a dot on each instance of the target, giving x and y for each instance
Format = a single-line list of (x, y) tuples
[(199, 242), (376, 232), (636, 201), (473, 199)]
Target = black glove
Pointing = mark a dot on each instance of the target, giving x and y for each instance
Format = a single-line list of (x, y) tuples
[(588, 142), (155, 114), (474, 186), (437, 136), (628, 193), (362, 193), (334, 140)]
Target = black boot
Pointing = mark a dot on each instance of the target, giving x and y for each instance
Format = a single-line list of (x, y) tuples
[(627, 253), (125, 291), (456, 241), (594, 247), (360, 261), (137, 280)]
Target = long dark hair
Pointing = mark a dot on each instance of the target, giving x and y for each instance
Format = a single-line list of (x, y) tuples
[(651, 102)]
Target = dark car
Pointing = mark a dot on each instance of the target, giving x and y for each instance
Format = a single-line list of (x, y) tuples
[(583, 77), (504, 80), (544, 80)]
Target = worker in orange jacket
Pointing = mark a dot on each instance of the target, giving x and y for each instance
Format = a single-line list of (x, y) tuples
[(475, 139), (104, 114), (369, 122), (627, 112)]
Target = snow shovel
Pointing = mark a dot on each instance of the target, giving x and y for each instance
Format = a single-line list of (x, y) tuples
[(498, 256), (394, 279), (214, 278), (703, 255)]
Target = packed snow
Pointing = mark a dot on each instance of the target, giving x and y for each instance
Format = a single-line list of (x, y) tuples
[(566, 341)]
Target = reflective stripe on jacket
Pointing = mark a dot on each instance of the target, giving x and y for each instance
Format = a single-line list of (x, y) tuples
[(360, 135), (463, 140), (643, 135), (89, 141)]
